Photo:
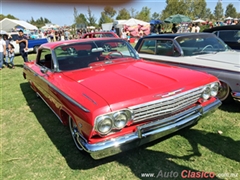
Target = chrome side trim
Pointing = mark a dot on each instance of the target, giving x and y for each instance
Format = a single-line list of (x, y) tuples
[(49, 107), (94, 102), (59, 91), (148, 132), (66, 96)]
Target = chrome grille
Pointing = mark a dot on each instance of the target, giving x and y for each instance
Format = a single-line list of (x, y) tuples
[(166, 106)]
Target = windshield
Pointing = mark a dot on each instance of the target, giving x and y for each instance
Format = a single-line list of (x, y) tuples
[(84, 54), (193, 45)]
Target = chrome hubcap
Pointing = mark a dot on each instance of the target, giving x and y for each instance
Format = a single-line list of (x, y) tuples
[(223, 92)]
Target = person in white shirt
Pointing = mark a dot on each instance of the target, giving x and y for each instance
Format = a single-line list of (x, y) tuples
[(197, 28), (2, 50), (124, 34), (193, 30)]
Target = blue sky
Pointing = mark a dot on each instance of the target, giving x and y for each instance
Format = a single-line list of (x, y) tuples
[(63, 14)]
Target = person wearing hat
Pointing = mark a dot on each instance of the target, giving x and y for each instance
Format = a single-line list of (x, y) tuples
[(2, 50)]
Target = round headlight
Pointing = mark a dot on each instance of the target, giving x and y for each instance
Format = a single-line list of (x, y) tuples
[(214, 89), (104, 125), (120, 119), (206, 93)]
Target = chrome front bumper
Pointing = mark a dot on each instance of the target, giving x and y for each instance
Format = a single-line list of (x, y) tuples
[(236, 96), (147, 132)]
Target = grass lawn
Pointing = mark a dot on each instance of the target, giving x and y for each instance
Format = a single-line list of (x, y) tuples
[(36, 146)]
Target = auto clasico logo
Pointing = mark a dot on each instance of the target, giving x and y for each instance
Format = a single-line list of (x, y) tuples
[(186, 174)]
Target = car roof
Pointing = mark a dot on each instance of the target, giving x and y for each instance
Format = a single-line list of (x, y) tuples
[(52, 45), (227, 27), (173, 36)]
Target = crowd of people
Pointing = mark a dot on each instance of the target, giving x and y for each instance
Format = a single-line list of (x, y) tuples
[(7, 50), (61, 34)]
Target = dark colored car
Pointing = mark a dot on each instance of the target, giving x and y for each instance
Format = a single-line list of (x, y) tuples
[(229, 34)]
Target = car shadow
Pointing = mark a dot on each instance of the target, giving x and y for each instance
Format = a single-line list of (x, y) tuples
[(215, 142), (139, 160), (231, 107), (18, 65)]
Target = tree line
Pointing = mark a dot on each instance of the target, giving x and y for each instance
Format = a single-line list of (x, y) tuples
[(191, 8), (40, 22)]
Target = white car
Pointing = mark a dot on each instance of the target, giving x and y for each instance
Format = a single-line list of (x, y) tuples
[(199, 51)]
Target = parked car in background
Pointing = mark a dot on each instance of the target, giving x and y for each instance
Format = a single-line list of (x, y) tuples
[(33, 44), (199, 51), (100, 34), (114, 101), (229, 34)]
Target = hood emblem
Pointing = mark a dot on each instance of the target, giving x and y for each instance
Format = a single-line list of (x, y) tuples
[(169, 94)]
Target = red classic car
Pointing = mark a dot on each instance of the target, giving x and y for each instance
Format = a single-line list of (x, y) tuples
[(114, 101)]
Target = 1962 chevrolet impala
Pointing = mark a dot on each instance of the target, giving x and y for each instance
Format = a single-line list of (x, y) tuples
[(114, 101)]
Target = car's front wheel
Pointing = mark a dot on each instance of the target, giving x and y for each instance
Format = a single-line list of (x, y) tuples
[(74, 132), (224, 93)]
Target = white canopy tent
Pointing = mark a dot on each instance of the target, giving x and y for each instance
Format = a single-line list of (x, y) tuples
[(199, 21), (8, 24), (228, 18), (49, 26), (117, 22), (130, 22), (107, 26), (3, 32)]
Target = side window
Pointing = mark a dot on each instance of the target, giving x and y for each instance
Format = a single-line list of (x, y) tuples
[(229, 36), (45, 58), (166, 48), (148, 47)]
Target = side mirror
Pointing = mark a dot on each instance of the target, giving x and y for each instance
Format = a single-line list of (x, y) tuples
[(44, 70)]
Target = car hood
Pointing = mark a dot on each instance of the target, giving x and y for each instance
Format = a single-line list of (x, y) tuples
[(130, 83), (228, 59)]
